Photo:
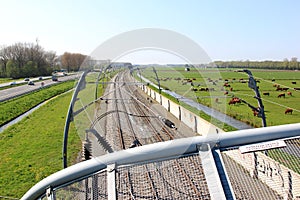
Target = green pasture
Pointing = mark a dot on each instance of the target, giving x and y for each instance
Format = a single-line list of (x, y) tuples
[(214, 79)]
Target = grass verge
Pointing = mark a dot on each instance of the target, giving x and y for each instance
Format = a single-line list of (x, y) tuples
[(31, 149), (15, 107)]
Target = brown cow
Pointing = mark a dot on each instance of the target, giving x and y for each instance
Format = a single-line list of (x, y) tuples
[(255, 113), (234, 100), (279, 89), (289, 93), (281, 95), (288, 110), (231, 102)]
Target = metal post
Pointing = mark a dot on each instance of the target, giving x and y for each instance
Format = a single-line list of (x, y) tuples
[(252, 85), (140, 74), (157, 79), (69, 118), (97, 83)]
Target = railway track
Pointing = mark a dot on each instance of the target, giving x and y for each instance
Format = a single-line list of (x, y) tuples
[(146, 180)]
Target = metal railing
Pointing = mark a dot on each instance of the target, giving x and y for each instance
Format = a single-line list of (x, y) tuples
[(161, 150)]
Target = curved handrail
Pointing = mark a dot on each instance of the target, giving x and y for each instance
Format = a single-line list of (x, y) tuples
[(162, 150)]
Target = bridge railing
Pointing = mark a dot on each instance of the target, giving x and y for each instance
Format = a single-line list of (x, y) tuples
[(163, 150)]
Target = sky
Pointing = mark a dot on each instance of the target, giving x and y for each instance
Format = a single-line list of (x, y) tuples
[(226, 30)]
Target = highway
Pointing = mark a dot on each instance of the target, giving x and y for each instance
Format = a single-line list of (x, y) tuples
[(12, 92)]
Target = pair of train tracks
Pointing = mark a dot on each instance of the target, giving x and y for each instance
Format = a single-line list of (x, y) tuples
[(148, 181)]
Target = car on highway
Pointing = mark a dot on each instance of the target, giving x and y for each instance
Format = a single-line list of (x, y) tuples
[(13, 83), (54, 78), (30, 83), (26, 79), (40, 78)]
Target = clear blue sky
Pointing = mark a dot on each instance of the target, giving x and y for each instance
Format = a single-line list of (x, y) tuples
[(226, 30)]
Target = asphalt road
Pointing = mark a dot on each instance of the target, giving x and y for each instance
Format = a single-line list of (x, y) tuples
[(23, 89)]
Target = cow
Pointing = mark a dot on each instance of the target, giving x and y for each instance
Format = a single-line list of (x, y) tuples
[(231, 89), (266, 93), (285, 89), (289, 93), (294, 82), (234, 100), (231, 102), (279, 89), (225, 93), (255, 113), (288, 110), (281, 95), (296, 88)]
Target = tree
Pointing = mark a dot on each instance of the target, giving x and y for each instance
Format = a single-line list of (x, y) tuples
[(72, 61), (12, 69), (294, 63), (27, 59)]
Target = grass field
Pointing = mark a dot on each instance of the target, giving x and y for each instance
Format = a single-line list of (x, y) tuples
[(213, 78), (31, 150)]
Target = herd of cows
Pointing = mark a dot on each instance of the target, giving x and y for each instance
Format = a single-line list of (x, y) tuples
[(227, 88)]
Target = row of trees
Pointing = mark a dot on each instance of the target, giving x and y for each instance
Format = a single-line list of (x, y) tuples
[(286, 64), (30, 59)]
